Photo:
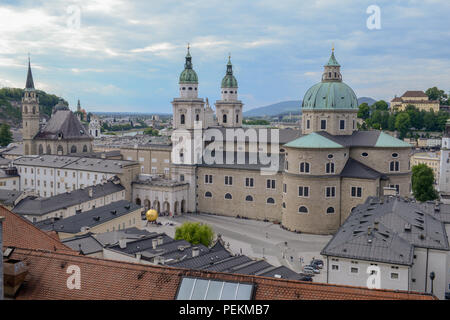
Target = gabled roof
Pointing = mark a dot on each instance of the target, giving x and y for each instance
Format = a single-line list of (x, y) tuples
[(313, 141), (41, 206), (372, 138), (20, 233), (387, 232), (64, 125), (415, 94), (114, 280), (355, 169), (91, 218), (385, 140)]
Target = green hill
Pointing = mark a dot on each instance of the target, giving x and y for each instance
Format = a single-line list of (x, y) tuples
[(11, 99)]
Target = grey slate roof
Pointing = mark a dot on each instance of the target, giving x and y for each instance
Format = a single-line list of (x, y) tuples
[(284, 135), (75, 163), (4, 162), (250, 161), (387, 232), (74, 224), (356, 169), (85, 244), (112, 237), (7, 197), (40, 206), (64, 125)]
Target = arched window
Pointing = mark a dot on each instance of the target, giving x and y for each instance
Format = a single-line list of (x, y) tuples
[(248, 198), (303, 209), (197, 117), (228, 196), (25, 109), (270, 201), (49, 150), (138, 201), (73, 149), (237, 118), (60, 150), (330, 210), (85, 149), (208, 194), (284, 205), (182, 119), (34, 110), (304, 167), (41, 149), (224, 118)]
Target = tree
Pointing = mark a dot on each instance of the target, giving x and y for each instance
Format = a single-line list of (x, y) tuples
[(380, 105), (391, 122), (363, 111), (437, 94), (422, 183), (151, 132), (6, 136), (402, 123), (195, 233)]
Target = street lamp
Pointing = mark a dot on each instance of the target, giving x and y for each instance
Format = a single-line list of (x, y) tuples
[(432, 276)]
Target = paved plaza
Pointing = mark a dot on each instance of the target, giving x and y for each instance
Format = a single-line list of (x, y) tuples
[(257, 239)]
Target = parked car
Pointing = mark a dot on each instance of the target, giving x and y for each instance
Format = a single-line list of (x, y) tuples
[(314, 268), (318, 263), (306, 278), (309, 270)]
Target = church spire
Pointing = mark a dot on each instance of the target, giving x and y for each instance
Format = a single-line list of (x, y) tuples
[(332, 70), (30, 84)]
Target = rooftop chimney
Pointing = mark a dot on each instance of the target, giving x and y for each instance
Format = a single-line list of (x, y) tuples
[(195, 252), (154, 243), (160, 240), (1, 258), (375, 225), (90, 192), (123, 243)]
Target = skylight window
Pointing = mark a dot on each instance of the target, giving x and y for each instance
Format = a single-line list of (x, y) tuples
[(202, 289)]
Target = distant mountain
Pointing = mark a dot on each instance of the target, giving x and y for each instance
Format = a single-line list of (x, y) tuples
[(285, 107), (367, 100), (275, 109)]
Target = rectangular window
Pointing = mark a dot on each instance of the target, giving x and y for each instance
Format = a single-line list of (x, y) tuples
[(208, 178), (270, 184), (330, 192), (323, 124), (356, 192), (228, 180), (303, 191), (354, 270), (394, 275), (249, 182), (342, 124), (334, 267), (308, 123), (284, 187)]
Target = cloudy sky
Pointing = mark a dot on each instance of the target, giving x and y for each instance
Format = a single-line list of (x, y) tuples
[(123, 55)]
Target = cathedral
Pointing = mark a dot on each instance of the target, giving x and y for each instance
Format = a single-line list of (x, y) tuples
[(322, 172), (63, 134)]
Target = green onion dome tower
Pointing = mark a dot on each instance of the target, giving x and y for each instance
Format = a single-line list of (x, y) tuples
[(229, 108), (330, 105)]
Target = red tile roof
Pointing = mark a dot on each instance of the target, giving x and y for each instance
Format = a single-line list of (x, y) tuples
[(21, 233), (414, 94), (107, 279)]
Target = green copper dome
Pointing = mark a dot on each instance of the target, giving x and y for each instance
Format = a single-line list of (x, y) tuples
[(331, 93), (188, 75), (229, 81)]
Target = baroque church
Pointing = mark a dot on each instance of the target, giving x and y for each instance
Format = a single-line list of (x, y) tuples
[(63, 134), (322, 172)]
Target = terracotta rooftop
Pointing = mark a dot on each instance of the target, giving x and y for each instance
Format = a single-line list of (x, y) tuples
[(106, 279), (414, 94), (19, 232)]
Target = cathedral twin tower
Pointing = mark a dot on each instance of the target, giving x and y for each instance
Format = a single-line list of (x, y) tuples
[(188, 108)]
